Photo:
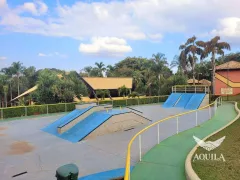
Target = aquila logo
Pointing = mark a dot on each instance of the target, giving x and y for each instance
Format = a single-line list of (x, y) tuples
[(209, 146)]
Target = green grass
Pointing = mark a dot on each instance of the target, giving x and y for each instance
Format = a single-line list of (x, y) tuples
[(230, 148)]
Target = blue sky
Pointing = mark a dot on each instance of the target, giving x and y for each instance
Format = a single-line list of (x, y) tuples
[(73, 34)]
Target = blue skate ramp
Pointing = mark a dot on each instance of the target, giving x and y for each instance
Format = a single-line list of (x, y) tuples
[(52, 128), (106, 175), (172, 99), (89, 124), (195, 101), (184, 99)]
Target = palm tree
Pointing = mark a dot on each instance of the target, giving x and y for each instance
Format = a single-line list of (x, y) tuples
[(110, 71), (213, 47), (180, 62), (189, 51), (5, 91), (158, 66), (88, 70), (17, 70), (123, 90), (101, 67), (137, 78)]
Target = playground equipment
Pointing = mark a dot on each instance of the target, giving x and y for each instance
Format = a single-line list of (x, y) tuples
[(91, 120), (188, 97)]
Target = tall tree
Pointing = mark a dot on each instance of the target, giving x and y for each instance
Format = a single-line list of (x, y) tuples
[(5, 91), (190, 50), (181, 63), (213, 48), (88, 70), (16, 69), (159, 69), (101, 67)]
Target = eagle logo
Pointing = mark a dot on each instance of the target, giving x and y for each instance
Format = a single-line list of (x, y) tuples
[(209, 145)]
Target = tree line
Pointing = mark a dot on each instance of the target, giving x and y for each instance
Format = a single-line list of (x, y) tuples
[(151, 76)]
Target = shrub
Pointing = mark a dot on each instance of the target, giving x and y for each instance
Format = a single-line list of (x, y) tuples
[(13, 112), (56, 108)]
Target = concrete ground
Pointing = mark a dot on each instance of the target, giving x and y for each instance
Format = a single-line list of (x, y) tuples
[(103, 153)]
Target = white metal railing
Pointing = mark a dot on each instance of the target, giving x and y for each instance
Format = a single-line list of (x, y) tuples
[(191, 88), (206, 112)]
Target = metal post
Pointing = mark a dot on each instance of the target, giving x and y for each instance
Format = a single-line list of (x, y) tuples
[(1, 113), (25, 111), (140, 148), (196, 118), (177, 124), (158, 133), (209, 110), (215, 107)]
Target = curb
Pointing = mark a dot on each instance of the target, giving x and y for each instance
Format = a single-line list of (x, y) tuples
[(189, 172)]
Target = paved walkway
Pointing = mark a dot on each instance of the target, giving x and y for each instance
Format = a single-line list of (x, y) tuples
[(167, 159)]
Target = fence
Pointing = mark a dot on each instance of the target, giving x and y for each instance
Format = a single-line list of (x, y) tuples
[(19, 111), (135, 101), (191, 88), (173, 125)]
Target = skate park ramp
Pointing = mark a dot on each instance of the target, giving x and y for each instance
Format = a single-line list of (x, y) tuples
[(53, 127), (172, 100), (118, 122), (98, 123), (195, 101), (184, 99)]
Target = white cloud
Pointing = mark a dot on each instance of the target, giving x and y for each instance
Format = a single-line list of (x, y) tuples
[(106, 45), (127, 19), (43, 8), (229, 27), (30, 7), (3, 3), (52, 54), (155, 37), (42, 54), (3, 58), (36, 8)]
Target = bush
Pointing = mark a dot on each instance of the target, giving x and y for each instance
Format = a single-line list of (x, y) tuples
[(13, 112), (105, 102), (35, 110), (56, 108), (133, 95)]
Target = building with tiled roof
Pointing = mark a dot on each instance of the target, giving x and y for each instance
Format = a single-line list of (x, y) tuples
[(227, 78)]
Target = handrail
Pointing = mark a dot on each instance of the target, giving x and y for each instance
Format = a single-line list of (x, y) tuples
[(127, 165), (191, 86)]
